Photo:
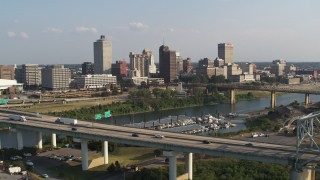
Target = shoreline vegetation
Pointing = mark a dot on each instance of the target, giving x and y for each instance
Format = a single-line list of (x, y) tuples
[(143, 101)]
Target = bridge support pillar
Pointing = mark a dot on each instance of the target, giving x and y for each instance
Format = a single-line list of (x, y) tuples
[(105, 152), (188, 162), (307, 98), (39, 140), (306, 174), (273, 99), (54, 140), (232, 96), (84, 154), (19, 140), (172, 164)]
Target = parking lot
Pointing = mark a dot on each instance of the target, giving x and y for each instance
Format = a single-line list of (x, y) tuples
[(6, 176)]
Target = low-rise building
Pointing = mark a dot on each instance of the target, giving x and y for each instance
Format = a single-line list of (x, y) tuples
[(95, 81), (10, 86), (292, 81), (242, 78)]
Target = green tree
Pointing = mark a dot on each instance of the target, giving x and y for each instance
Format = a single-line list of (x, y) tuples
[(156, 92), (111, 168), (217, 79)]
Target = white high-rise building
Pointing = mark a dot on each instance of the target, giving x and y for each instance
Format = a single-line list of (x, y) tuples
[(102, 56)]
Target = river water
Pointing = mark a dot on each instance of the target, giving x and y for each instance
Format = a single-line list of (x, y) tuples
[(8, 138)]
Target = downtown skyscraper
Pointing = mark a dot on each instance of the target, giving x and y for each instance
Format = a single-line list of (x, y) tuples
[(102, 56), (168, 64), (225, 52)]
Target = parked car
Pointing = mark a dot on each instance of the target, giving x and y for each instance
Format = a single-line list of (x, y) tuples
[(29, 163), (73, 129), (27, 154), (249, 145)]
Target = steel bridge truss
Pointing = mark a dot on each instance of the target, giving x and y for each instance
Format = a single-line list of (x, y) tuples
[(305, 140)]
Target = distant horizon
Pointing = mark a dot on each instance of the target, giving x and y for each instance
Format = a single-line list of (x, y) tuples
[(262, 62), (60, 31)]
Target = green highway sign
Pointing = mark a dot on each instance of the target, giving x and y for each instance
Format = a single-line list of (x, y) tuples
[(4, 101), (107, 114), (98, 116)]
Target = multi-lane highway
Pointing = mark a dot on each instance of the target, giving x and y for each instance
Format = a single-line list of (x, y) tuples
[(173, 141)]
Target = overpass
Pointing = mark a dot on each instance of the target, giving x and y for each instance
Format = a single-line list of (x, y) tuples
[(172, 144)]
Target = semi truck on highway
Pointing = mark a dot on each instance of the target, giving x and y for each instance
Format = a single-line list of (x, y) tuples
[(17, 117), (67, 121)]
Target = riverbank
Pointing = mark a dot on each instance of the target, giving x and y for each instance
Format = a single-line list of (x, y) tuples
[(4, 128)]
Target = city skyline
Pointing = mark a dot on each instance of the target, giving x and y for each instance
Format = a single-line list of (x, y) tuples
[(62, 32)]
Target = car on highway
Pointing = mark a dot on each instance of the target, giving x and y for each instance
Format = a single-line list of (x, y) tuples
[(249, 144), (206, 142), (45, 175), (135, 135), (73, 129), (158, 136)]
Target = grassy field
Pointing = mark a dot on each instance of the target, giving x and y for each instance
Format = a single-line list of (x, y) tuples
[(125, 156), (51, 107)]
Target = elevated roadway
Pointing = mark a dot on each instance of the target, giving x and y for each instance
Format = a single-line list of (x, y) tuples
[(176, 142)]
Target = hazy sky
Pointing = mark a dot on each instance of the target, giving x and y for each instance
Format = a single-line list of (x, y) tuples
[(63, 31)]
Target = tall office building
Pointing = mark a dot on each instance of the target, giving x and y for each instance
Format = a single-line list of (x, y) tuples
[(152, 69), (205, 62), (7, 72), (56, 77), (225, 52), (102, 56), (87, 68), (179, 63), (187, 65), (167, 64), (142, 65), (278, 67), (29, 75), (218, 62), (247, 68)]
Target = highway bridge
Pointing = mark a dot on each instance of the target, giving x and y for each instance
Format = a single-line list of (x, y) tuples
[(173, 143), (306, 89)]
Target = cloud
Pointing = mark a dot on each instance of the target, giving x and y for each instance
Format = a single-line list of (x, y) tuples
[(83, 29), (171, 30), (175, 30), (53, 30), (138, 26), (11, 34), (24, 35)]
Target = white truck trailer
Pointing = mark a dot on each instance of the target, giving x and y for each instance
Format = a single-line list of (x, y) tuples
[(17, 117), (14, 170), (67, 121)]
